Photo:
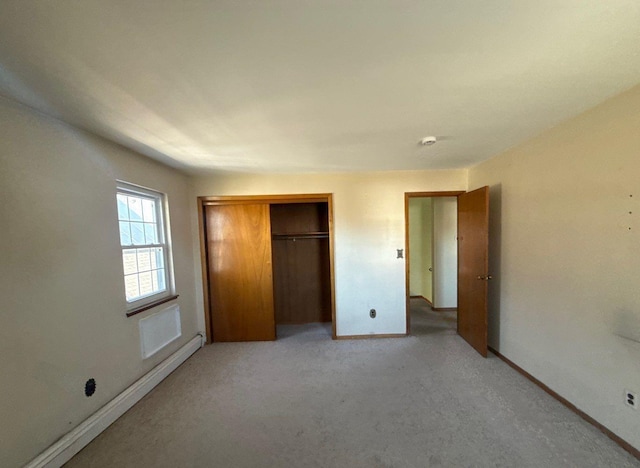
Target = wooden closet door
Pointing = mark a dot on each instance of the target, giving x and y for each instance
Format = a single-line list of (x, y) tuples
[(240, 273)]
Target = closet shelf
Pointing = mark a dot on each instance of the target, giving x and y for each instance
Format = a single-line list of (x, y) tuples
[(301, 235)]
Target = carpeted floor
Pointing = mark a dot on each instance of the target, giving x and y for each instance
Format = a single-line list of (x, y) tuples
[(428, 400), (425, 321)]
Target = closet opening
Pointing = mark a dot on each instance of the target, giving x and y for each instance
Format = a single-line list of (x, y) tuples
[(301, 268), (267, 267)]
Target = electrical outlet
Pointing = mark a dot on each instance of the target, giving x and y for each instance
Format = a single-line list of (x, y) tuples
[(631, 399), (372, 313)]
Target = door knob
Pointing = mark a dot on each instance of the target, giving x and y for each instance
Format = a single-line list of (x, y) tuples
[(485, 278)]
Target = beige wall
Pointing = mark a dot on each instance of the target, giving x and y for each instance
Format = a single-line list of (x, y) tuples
[(420, 246), (565, 250), (445, 252), (427, 248), (415, 247), (369, 226), (63, 309)]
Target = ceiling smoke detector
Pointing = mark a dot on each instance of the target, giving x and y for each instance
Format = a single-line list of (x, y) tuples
[(428, 141)]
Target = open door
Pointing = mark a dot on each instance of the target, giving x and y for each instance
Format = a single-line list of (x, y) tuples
[(473, 266), (240, 272)]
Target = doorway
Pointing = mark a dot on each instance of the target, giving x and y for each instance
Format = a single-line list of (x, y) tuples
[(432, 263), (470, 240), (267, 262)]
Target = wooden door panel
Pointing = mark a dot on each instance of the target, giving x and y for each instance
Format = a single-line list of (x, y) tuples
[(473, 266), (241, 278)]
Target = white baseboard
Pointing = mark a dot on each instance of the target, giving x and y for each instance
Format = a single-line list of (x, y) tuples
[(70, 444)]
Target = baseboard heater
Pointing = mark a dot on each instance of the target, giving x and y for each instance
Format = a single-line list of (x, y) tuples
[(71, 443)]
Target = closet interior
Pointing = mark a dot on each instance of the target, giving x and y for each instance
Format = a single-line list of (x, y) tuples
[(301, 265)]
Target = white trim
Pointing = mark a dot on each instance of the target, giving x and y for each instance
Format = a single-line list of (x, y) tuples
[(66, 447)]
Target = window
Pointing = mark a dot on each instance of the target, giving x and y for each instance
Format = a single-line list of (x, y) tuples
[(145, 250)]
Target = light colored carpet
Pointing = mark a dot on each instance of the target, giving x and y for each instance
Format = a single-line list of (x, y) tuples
[(425, 321), (306, 401)]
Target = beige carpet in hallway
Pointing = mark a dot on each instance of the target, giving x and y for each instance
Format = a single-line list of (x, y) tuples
[(426, 321), (306, 401)]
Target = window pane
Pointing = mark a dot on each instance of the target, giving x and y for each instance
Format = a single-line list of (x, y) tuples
[(144, 260), (135, 208), (150, 233), (146, 285), (139, 226), (148, 211), (125, 233), (137, 233), (129, 261), (161, 280), (131, 287), (159, 258), (154, 258), (123, 209)]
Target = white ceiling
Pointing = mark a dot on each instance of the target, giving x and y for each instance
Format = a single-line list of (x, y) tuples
[(307, 86)]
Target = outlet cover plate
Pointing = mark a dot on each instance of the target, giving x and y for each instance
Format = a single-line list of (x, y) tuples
[(631, 399)]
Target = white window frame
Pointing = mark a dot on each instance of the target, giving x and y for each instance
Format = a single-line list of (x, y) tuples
[(163, 241)]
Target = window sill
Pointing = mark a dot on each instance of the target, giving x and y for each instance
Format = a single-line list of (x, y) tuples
[(137, 310)]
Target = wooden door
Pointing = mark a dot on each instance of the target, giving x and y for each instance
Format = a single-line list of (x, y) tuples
[(240, 273), (473, 266)]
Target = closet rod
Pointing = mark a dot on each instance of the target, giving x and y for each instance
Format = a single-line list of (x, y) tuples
[(302, 235)]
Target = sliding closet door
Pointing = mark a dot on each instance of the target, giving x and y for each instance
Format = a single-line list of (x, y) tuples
[(240, 273)]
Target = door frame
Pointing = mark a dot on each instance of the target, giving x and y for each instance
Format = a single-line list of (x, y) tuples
[(205, 201), (407, 197)]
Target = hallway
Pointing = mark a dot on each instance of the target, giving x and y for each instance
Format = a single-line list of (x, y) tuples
[(425, 321)]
